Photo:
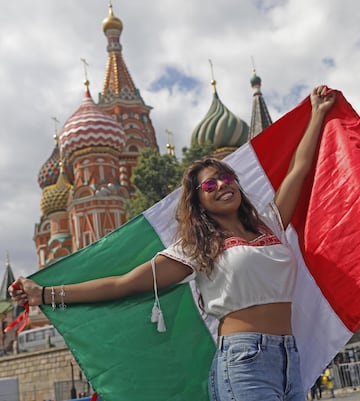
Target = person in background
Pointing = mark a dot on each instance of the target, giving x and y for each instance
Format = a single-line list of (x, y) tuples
[(328, 380), (243, 266), (316, 391)]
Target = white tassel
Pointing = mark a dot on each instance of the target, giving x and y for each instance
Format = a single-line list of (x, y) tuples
[(161, 328), (155, 313)]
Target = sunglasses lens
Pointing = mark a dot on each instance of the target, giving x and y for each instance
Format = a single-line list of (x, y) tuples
[(209, 185), (227, 178)]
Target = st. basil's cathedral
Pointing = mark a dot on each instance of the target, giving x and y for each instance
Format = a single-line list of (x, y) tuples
[(86, 181)]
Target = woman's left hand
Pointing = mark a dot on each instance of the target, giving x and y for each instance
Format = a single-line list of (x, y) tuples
[(322, 99)]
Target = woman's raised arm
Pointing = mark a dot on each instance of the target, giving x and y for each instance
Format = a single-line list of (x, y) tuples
[(287, 196), (140, 279)]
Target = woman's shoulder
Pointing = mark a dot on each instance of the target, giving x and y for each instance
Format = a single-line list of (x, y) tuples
[(175, 251)]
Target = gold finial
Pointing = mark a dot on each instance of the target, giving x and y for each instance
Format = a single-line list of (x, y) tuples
[(56, 139), (170, 146), (213, 82), (7, 263), (253, 64), (56, 123), (86, 64), (56, 136)]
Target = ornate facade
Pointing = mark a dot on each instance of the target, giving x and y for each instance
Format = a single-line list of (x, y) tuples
[(86, 180)]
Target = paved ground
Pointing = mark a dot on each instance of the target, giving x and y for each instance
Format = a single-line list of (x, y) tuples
[(345, 394)]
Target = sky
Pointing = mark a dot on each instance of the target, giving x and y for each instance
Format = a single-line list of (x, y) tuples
[(294, 45)]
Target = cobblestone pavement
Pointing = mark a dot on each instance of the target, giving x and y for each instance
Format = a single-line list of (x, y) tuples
[(344, 394)]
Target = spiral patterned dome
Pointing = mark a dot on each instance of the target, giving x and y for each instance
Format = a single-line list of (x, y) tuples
[(90, 127), (50, 170), (55, 197), (220, 127)]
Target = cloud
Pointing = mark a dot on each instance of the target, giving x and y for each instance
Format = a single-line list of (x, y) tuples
[(329, 62), (171, 78), (296, 44)]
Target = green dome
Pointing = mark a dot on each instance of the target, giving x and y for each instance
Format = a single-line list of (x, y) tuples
[(220, 127), (255, 80)]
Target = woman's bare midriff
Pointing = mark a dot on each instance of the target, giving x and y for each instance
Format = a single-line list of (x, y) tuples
[(272, 318)]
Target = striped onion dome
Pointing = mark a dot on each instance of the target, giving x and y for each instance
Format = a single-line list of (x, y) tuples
[(220, 127), (50, 170), (90, 127), (55, 197)]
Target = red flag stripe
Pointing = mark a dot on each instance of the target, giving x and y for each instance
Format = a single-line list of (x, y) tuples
[(329, 209)]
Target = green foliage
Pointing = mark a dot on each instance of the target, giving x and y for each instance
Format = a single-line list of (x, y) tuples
[(157, 175), (196, 152), (154, 177)]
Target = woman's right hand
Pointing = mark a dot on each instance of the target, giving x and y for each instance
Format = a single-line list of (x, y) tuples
[(24, 291)]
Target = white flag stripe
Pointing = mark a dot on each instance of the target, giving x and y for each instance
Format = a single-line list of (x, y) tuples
[(318, 330)]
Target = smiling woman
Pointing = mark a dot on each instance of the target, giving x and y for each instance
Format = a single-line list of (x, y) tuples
[(248, 288), (159, 38)]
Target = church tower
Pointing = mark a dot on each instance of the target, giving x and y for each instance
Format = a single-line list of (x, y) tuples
[(8, 309), (121, 99), (260, 117), (86, 180)]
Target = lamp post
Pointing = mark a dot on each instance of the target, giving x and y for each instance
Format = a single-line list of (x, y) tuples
[(73, 389)]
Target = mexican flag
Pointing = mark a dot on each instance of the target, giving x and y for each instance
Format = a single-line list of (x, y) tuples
[(121, 352)]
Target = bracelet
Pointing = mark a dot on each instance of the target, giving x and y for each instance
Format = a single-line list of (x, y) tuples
[(43, 295), (62, 296), (53, 304)]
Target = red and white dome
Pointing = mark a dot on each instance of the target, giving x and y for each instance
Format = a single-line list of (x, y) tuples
[(90, 127)]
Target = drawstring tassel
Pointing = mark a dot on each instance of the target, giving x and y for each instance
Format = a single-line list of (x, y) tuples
[(156, 313), (161, 328)]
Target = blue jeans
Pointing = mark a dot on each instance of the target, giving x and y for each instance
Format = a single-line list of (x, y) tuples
[(256, 367)]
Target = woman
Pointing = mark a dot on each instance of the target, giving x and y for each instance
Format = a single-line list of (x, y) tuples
[(244, 268)]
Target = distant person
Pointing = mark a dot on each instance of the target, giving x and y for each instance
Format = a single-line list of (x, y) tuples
[(316, 391), (329, 381)]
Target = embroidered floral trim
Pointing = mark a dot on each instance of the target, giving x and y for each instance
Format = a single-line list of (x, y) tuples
[(267, 238)]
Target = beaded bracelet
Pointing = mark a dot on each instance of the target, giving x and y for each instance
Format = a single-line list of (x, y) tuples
[(53, 304), (62, 296)]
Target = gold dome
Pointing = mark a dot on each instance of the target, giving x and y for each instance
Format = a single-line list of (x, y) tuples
[(111, 22), (55, 197)]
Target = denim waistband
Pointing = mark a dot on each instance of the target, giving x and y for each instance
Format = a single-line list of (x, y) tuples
[(288, 341)]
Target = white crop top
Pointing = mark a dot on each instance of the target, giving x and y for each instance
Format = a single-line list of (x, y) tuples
[(251, 273)]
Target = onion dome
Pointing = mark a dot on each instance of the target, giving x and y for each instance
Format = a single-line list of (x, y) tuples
[(55, 197), (220, 127), (90, 127), (255, 80), (50, 170), (111, 22)]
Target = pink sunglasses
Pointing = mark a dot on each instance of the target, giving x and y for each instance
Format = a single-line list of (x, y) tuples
[(211, 184)]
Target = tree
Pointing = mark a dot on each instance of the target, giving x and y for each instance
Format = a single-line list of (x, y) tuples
[(154, 177), (196, 152)]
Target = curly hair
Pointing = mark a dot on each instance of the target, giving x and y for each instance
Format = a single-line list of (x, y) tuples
[(201, 237)]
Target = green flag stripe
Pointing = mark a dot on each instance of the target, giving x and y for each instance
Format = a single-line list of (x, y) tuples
[(115, 344)]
